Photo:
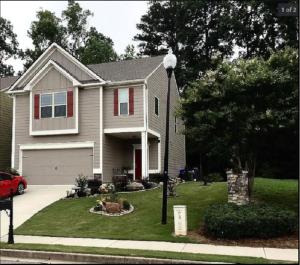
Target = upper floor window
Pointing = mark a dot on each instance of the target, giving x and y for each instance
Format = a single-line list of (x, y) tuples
[(156, 107), (123, 101), (60, 104), (46, 106), (54, 105)]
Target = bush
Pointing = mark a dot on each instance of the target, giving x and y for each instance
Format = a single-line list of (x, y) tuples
[(94, 185), (126, 205), (157, 178), (215, 177), (12, 171), (248, 221), (148, 184), (81, 182)]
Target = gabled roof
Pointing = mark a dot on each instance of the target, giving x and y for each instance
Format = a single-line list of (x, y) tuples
[(128, 69), (6, 82)]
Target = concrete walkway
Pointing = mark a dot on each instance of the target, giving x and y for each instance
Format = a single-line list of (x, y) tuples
[(36, 198), (267, 253)]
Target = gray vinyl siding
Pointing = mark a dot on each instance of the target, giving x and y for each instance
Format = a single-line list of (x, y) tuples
[(53, 81), (5, 130), (157, 87), (153, 154), (64, 62), (123, 121), (89, 125)]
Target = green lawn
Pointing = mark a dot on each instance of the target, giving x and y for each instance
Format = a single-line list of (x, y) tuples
[(71, 218)]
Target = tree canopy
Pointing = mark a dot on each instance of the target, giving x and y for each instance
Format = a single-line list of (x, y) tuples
[(233, 111), (8, 47)]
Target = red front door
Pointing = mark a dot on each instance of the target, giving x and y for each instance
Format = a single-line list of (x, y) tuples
[(138, 164)]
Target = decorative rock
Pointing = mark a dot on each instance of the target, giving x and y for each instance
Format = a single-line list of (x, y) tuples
[(134, 186), (238, 189), (112, 207), (123, 212)]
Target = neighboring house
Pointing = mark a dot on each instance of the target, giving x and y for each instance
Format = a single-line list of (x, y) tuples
[(95, 120), (5, 122)]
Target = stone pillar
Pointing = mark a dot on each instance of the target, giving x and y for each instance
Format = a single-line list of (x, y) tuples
[(238, 192)]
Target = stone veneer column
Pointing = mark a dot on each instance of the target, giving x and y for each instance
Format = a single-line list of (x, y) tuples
[(238, 190)]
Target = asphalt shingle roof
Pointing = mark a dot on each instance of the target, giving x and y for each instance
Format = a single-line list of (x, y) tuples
[(128, 69), (6, 82)]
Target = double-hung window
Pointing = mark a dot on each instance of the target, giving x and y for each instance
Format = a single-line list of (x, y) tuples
[(123, 101), (46, 106), (53, 105), (60, 104)]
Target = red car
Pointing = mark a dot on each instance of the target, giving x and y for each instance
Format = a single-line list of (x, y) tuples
[(18, 184)]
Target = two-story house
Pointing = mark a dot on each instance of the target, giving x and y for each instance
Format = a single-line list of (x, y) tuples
[(69, 119)]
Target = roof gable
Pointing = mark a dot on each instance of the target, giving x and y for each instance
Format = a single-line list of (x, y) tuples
[(62, 57)]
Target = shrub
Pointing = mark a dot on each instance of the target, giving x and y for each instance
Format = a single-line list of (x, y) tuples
[(120, 182), (126, 205), (215, 177), (12, 171), (148, 184), (94, 185), (248, 221), (157, 178), (81, 182)]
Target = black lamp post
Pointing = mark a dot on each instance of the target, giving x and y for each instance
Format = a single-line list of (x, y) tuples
[(169, 64)]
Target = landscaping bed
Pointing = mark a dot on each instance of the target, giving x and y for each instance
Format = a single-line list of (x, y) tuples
[(71, 218)]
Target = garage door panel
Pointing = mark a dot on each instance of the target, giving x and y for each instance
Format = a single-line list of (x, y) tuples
[(57, 167)]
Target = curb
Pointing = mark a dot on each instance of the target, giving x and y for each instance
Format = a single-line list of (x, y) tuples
[(90, 258)]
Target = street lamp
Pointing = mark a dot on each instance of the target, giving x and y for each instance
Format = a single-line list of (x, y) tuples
[(169, 64)]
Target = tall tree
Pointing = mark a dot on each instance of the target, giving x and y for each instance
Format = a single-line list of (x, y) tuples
[(8, 47), (234, 110), (201, 33), (98, 49), (77, 30), (129, 53), (44, 31)]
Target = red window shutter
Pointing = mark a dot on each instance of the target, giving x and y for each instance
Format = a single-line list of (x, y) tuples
[(36, 106), (131, 101), (116, 103), (70, 103)]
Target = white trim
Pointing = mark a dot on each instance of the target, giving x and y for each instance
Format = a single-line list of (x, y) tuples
[(154, 133), (97, 171), (154, 171), (46, 68), (124, 130), (125, 82), (139, 85), (46, 55), (54, 132), (101, 128), (13, 141), (68, 145), (48, 146), (145, 109)]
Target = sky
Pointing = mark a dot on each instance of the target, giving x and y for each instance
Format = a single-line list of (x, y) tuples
[(115, 19)]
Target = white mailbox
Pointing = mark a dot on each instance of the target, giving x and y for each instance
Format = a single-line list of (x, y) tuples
[(180, 220)]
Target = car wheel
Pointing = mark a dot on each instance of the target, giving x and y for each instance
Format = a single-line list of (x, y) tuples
[(21, 189)]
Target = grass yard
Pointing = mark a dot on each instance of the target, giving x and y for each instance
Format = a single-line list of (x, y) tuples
[(71, 218)]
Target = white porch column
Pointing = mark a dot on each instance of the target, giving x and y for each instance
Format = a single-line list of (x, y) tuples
[(144, 147)]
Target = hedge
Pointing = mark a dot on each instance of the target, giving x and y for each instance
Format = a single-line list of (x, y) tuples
[(249, 221)]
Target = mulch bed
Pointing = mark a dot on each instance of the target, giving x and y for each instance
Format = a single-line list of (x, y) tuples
[(291, 241)]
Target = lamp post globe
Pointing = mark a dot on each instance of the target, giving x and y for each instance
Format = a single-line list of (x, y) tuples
[(169, 63)]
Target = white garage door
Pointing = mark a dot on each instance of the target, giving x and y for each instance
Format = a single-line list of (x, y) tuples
[(56, 166)]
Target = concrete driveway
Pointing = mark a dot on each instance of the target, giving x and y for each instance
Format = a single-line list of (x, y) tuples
[(36, 198)]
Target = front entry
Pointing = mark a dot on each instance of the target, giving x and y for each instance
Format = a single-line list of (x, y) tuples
[(138, 164)]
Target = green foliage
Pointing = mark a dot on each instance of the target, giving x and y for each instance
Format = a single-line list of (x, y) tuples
[(126, 205), (72, 33), (232, 111), (249, 221), (8, 47), (215, 177), (129, 53), (81, 182), (12, 171), (120, 182)]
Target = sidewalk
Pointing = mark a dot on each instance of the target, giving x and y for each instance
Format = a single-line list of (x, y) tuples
[(267, 253)]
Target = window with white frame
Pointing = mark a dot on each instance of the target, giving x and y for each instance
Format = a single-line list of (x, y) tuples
[(123, 101), (60, 104), (46, 106), (53, 105), (156, 106)]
